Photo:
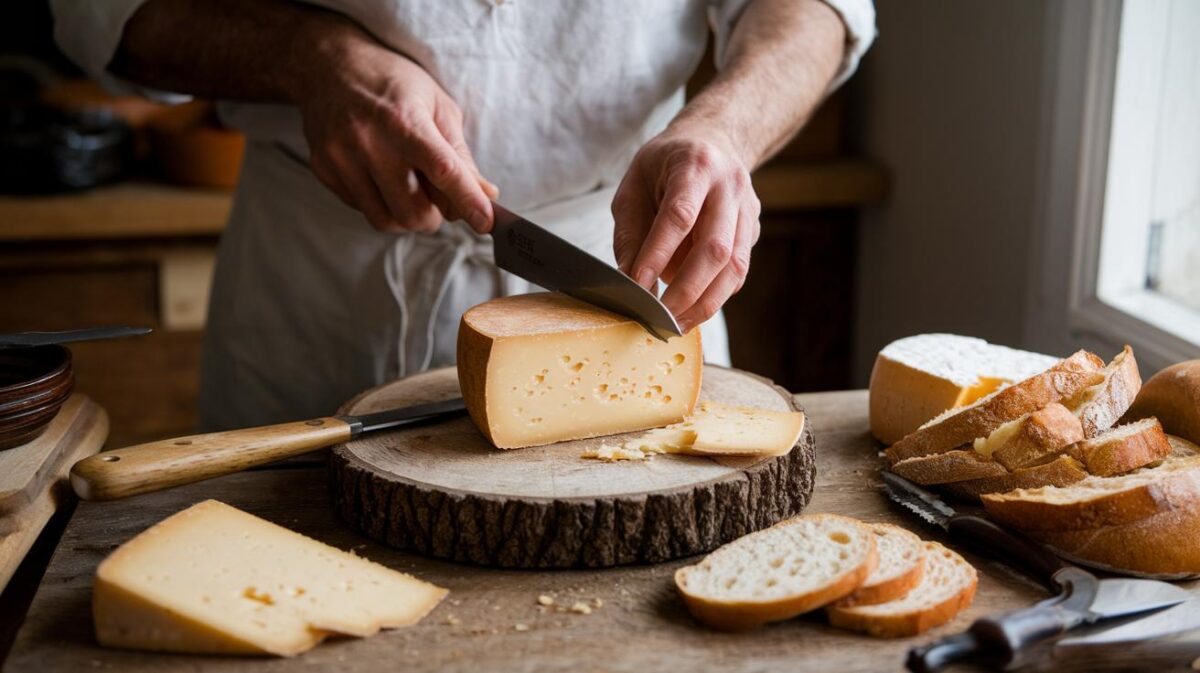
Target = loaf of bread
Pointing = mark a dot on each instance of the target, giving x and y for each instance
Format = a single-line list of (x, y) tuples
[(1173, 397)]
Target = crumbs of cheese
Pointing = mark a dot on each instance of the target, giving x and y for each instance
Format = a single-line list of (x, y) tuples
[(714, 430)]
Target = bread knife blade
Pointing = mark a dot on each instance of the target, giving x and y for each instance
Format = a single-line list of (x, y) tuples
[(542, 258)]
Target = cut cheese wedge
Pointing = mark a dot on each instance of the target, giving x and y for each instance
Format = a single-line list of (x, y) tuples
[(919, 377), (214, 579), (714, 430), (542, 368)]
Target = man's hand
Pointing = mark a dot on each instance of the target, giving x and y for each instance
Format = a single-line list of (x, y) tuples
[(686, 212), (386, 138)]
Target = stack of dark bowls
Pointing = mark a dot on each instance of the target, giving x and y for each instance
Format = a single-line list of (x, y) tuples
[(34, 384)]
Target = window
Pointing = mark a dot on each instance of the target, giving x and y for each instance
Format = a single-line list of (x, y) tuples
[(1149, 257), (1118, 224)]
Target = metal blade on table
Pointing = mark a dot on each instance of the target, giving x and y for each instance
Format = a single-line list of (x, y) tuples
[(1183, 617), (32, 339), (917, 500), (1119, 597), (535, 254)]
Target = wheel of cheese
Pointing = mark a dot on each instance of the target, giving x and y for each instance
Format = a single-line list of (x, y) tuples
[(445, 491)]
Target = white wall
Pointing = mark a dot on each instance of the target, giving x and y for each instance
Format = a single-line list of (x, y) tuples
[(949, 102)]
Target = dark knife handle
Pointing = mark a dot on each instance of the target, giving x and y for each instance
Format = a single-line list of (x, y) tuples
[(995, 640), (992, 540)]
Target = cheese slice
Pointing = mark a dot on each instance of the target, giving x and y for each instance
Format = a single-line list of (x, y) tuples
[(214, 579), (919, 377), (714, 430), (542, 368)]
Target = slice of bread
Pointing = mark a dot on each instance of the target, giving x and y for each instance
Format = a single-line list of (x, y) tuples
[(1124, 448), (1172, 396), (777, 573), (1101, 406), (963, 425), (948, 467), (1059, 471), (946, 589), (1146, 522), (1097, 502), (900, 567), (1032, 439), (919, 377)]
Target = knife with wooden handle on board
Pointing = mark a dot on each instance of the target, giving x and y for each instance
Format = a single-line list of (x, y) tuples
[(155, 466)]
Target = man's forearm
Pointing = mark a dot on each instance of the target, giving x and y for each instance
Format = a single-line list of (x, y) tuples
[(252, 50), (779, 62)]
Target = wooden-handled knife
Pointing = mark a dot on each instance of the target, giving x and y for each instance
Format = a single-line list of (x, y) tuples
[(144, 468)]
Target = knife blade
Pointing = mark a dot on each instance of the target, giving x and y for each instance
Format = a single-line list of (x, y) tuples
[(144, 468), (1178, 619), (540, 257), (1080, 598), (32, 339)]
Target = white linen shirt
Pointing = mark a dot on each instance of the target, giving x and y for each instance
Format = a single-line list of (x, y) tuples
[(309, 305)]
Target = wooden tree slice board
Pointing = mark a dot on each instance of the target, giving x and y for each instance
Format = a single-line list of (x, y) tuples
[(443, 490)]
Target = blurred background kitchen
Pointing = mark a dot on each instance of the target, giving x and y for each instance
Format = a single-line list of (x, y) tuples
[(1023, 171)]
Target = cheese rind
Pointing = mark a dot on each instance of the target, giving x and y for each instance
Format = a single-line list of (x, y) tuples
[(541, 368), (916, 378), (214, 579)]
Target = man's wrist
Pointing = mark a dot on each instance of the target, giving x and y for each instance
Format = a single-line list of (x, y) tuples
[(712, 130), (321, 46)]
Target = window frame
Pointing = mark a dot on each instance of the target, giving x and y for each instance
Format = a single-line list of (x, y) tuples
[(1064, 310)]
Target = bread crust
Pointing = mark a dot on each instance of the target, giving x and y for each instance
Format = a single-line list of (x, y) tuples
[(746, 615), (948, 467), (1065, 379), (1108, 457), (892, 589), (1101, 408), (1174, 490), (1043, 433), (1172, 396), (1061, 471), (910, 623), (1167, 543)]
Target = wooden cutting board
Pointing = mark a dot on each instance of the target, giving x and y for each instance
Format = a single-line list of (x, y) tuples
[(33, 476), (444, 491)]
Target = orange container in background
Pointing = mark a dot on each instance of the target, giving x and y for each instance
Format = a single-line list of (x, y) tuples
[(193, 149)]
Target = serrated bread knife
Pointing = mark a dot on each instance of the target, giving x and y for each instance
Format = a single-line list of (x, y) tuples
[(1080, 597), (535, 254)]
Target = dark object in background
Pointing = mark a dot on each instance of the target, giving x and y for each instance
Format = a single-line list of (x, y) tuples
[(34, 383), (43, 150), (193, 149)]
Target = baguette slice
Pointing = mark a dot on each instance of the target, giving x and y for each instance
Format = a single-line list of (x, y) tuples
[(947, 588), (1060, 471), (1123, 448), (919, 377), (1099, 502), (1164, 546), (948, 467), (1101, 406), (900, 567), (788, 569), (963, 425), (1032, 439)]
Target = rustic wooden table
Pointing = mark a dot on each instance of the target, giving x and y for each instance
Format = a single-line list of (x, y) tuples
[(492, 620)]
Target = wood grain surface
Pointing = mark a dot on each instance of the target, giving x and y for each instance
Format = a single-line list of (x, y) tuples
[(491, 621), (444, 490)]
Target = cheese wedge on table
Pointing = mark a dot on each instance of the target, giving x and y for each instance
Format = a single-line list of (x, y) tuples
[(714, 430), (919, 377), (542, 368), (214, 579)]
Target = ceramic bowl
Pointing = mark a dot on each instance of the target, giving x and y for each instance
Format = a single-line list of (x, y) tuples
[(34, 384)]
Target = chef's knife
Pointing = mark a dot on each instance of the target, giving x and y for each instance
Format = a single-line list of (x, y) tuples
[(1181, 618), (120, 473), (31, 339), (1080, 599), (533, 253)]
